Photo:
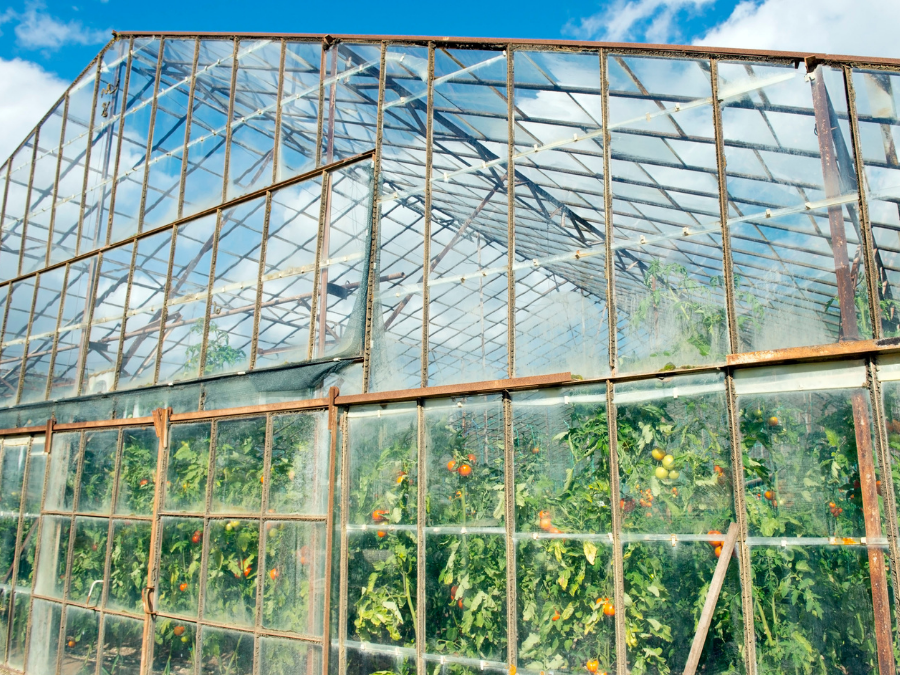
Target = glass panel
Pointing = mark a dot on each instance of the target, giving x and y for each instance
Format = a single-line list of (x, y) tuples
[(665, 587), (5, 602), (792, 192), (381, 538), (226, 652), (253, 117), (34, 489), (813, 609), (81, 641), (294, 580), (879, 132), (145, 306), (670, 297), (800, 463), (86, 576), (234, 288), (52, 567), (278, 656), (340, 321), (167, 149), (26, 550), (351, 86), (70, 187), (288, 275), (179, 565), (98, 471), (467, 334), (187, 467), (231, 572), (397, 353), (104, 138), (63, 471), (174, 649), (41, 335), (238, 477), (16, 206), (67, 358), (299, 109), (128, 565), (132, 157), (122, 646), (106, 321), (674, 452), (561, 320), (464, 445), (383, 466), (19, 629), (301, 445), (562, 461), (471, 569), (12, 476), (137, 478), (43, 650), (9, 527), (15, 332), (186, 302), (204, 182), (571, 580), (43, 182)]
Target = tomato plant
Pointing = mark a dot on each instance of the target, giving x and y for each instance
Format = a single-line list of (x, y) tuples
[(188, 467), (231, 571), (137, 476), (179, 562), (88, 559), (129, 557), (98, 471), (238, 474)]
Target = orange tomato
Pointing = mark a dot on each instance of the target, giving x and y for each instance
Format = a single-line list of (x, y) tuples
[(555, 616), (401, 477), (592, 666), (195, 538), (545, 523), (451, 465), (262, 479), (471, 457), (379, 515), (71, 643), (768, 494), (273, 574), (535, 450), (718, 551), (248, 570), (609, 609), (144, 482), (381, 534), (715, 543), (453, 590), (773, 421), (178, 630), (465, 470), (460, 604), (182, 587)]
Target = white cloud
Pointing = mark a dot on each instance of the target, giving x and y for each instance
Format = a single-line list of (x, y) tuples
[(635, 20), (27, 92), (861, 27), (36, 29)]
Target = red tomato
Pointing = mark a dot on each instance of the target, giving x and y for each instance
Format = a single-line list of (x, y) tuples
[(609, 609), (178, 630), (379, 515), (381, 534), (453, 590), (555, 616), (471, 457), (715, 543), (144, 482), (460, 604), (465, 470), (195, 538), (182, 587), (248, 570)]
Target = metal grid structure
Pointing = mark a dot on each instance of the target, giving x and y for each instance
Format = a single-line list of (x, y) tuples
[(468, 219)]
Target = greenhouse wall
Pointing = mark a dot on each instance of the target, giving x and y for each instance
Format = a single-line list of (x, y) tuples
[(355, 355)]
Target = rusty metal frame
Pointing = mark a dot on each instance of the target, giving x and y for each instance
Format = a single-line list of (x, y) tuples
[(189, 116)]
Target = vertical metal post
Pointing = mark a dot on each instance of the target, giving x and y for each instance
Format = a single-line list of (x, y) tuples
[(426, 225), (618, 553), (608, 210), (90, 138), (510, 212), (329, 525), (276, 155), (34, 149), (209, 287), (324, 212), (48, 387), (163, 312), (727, 259), (509, 489), (127, 300), (254, 342), (421, 516), (229, 123), (866, 235), (375, 231), (342, 584), (740, 510)]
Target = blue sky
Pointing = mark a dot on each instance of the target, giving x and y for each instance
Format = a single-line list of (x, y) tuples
[(46, 44)]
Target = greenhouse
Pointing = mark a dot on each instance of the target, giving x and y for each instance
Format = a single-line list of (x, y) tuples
[(359, 355)]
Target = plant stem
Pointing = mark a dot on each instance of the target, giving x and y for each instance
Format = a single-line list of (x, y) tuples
[(409, 602)]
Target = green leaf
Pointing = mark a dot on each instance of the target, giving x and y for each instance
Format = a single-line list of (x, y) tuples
[(590, 552)]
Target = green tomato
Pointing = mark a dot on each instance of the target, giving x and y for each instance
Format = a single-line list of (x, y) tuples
[(668, 461), (673, 474), (661, 473)]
